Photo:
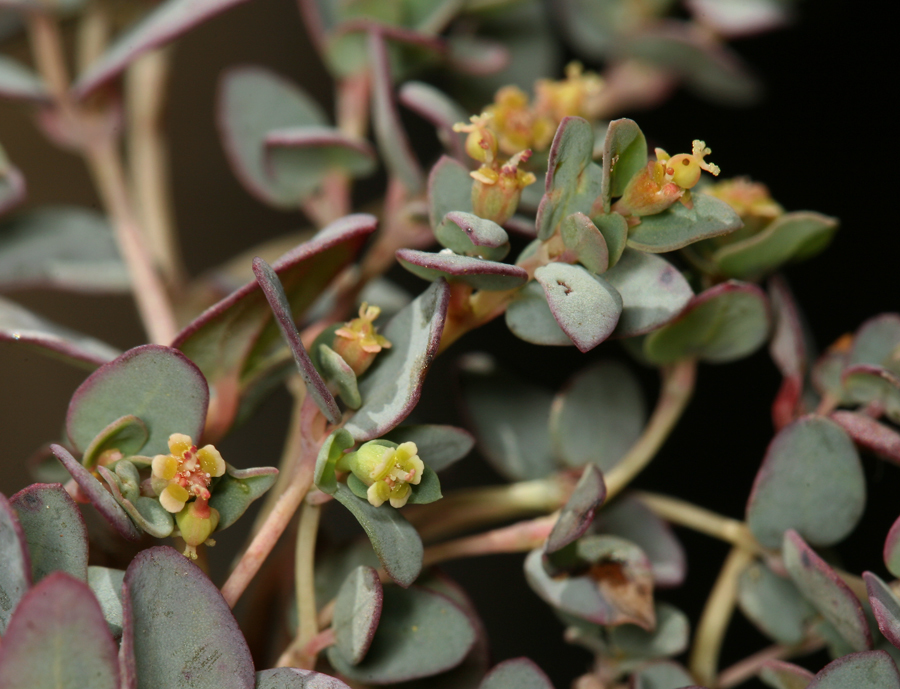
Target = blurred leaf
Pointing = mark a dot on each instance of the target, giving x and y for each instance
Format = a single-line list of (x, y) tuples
[(577, 514), (736, 18), (529, 318), (788, 350), (624, 155), (62, 247), (774, 604), (811, 480), (394, 539), (653, 292), (678, 226), (183, 627), (598, 416), (20, 83), (614, 229), (663, 674), (869, 434), (517, 673), (868, 670), (421, 633), (865, 384), (439, 109), (876, 341), (357, 611), (15, 565), (781, 675), (292, 678), (106, 583), (822, 587), (793, 235), (468, 235), (477, 272), (329, 453), (449, 189), (509, 418), (725, 323), (391, 388), (252, 103), (57, 639), (892, 549), (18, 324), (885, 607), (160, 385), (438, 446), (338, 373), (54, 530), (12, 185), (237, 489)]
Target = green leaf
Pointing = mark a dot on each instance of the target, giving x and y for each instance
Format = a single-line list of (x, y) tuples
[(477, 272), (868, 670), (885, 607), (774, 604), (529, 318), (573, 179), (793, 235), (183, 628), (663, 674), (281, 307), (146, 512), (518, 673), (393, 144), (20, 83), (159, 385), (101, 498), (875, 342), (57, 639), (357, 611), (106, 583), (811, 480), (329, 453), (468, 235), (598, 416), (614, 229), (865, 384), (164, 23), (391, 388), (585, 306), (54, 530), (252, 103), (63, 247), (237, 489), (828, 593), (449, 189), (725, 323), (338, 373), (577, 514), (509, 418), (438, 446), (678, 226), (781, 675), (583, 238), (394, 539), (127, 434), (624, 155), (19, 325), (653, 292), (15, 565), (300, 157), (293, 678), (670, 637), (421, 633)]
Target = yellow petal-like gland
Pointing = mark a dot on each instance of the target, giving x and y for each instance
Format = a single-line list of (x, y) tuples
[(684, 170), (165, 466), (211, 461), (179, 443), (399, 494), (173, 498), (377, 493)]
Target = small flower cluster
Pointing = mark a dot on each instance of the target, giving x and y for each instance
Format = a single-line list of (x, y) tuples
[(357, 340), (387, 470)]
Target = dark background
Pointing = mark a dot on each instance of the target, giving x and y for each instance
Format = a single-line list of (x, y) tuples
[(822, 139)]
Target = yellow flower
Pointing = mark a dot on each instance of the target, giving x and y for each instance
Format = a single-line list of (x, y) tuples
[(357, 340), (481, 144), (387, 471), (684, 168), (576, 95), (185, 472)]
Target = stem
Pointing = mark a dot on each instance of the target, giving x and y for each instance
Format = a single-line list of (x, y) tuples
[(699, 519), (145, 95), (750, 666), (716, 615), (313, 424), (516, 538), (304, 575), (677, 387)]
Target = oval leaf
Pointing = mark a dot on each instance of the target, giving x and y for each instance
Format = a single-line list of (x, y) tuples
[(811, 480), (126, 435), (357, 611), (237, 489), (869, 434), (781, 675), (529, 318), (653, 292), (54, 530), (774, 604), (15, 565), (885, 607), (516, 673), (624, 154), (582, 237), (663, 674), (57, 639), (449, 189), (680, 226), (477, 272), (875, 342), (598, 416), (585, 306), (468, 235), (828, 593), (160, 385), (292, 678), (578, 512), (106, 583), (395, 540), (185, 630), (421, 633), (868, 670)]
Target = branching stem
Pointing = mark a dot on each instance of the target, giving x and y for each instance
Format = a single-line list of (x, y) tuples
[(750, 666)]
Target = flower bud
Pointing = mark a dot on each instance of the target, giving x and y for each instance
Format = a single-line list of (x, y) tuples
[(495, 195), (357, 340), (196, 522)]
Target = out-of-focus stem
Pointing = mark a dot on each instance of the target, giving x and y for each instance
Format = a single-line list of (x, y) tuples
[(677, 387), (304, 577), (145, 97), (515, 538), (93, 35), (750, 666), (312, 429), (716, 615)]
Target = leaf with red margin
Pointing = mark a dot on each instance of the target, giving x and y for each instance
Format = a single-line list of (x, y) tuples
[(157, 384), (54, 530), (357, 611), (15, 570), (186, 632), (867, 670), (870, 434), (449, 189), (294, 678), (885, 607), (516, 673), (477, 272), (57, 637), (577, 514), (163, 24), (782, 675), (828, 593), (892, 549), (788, 350), (439, 109)]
